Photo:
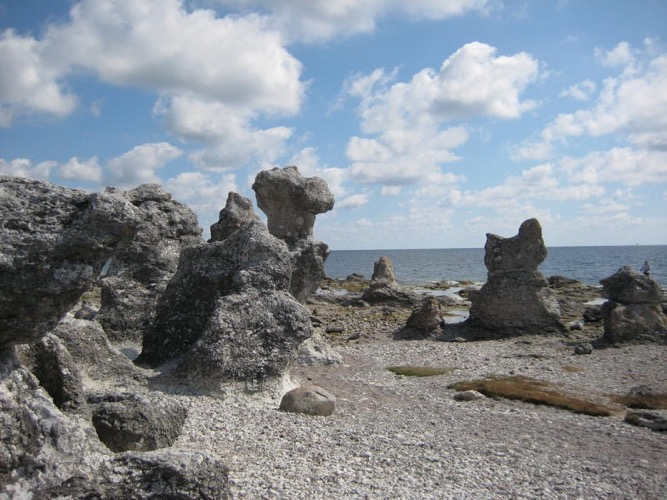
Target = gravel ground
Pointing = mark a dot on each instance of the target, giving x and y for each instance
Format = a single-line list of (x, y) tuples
[(405, 437)]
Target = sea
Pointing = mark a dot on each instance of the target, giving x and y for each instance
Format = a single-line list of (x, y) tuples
[(417, 267)]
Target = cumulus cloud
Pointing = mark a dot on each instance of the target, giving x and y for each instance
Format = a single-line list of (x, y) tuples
[(139, 165), (632, 105), (582, 91), (228, 71), (353, 201), (205, 193), (317, 21), (408, 121), (77, 170), (23, 167)]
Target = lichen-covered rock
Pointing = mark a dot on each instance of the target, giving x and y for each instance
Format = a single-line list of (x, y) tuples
[(633, 313), (515, 299), (132, 422), (54, 242), (226, 315), (291, 203), (237, 213), (138, 274)]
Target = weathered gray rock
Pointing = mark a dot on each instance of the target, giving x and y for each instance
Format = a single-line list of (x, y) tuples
[(53, 244), (515, 299), (138, 274), (237, 213), (468, 396), (316, 351), (97, 360), (424, 322), (227, 315), (383, 270), (52, 364), (634, 311), (309, 399), (655, 420), (169, 474), (291, 203), (584, 348), (131, 422)]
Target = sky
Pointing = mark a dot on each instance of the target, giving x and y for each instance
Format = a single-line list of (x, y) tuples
[(433, 122)]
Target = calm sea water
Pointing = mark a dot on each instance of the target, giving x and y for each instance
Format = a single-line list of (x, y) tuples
[(586, 264)]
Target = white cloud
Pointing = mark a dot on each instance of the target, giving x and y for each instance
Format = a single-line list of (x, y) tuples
[(316, 21), (29, 81), (308, 163), (22, 167), (203, 192), (76, 170), (582, 91), (139, 165), (621, 55), (353, 201)]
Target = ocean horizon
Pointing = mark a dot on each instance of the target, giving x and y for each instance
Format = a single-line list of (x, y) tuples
[(588, 264)]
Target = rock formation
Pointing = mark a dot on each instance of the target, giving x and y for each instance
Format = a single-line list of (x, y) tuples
[(53, 244), (136, 276), (515, 299), (633, 312), (227, 316), (291, 203), (237, 213), (384, 288)]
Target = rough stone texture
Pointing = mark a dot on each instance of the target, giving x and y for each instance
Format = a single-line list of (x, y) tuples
[(126, 422), (38, 443), (52, 364), (309, 399), (291, 203), (383, 270), (137, 275), (237, 213), (96, 359), (655, 420), (169, 474), (633, 312), (424, 322), (226, 314), (316, 351), (584, 348), (515, 299), (53, 244), (379, 292)]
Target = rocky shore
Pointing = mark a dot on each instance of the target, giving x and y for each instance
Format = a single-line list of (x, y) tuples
[(138, 361)]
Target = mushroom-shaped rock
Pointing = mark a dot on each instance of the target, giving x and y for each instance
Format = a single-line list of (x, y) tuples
[(515, 299), (237, 213), (309, 399), (291, 202)]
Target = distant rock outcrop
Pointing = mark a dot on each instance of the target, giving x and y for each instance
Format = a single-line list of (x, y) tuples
[(425, 322), (291, 203), (136, 276), (383, 287), (633, 312), (515, 299), (237, 213), (227, 315)]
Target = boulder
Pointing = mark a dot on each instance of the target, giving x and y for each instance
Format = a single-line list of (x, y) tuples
[(316, 351), (633, 313), (54, 242), (226, 315), (655, 420), (52, 364), (237, 213), (130, 422), (309, 399), (424, 322), (515, 299), (137, 275), (169, 474), (291, 203)]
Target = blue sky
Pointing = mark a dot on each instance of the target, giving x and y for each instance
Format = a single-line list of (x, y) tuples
[(433, 122)]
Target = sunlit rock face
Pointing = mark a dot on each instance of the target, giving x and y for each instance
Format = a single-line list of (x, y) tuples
[(291, 202), (515, 299)]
